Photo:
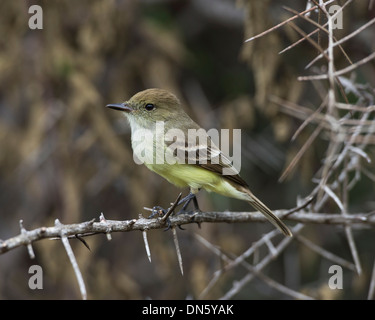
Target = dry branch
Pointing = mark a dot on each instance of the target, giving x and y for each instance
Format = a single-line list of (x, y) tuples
[(88, 228)]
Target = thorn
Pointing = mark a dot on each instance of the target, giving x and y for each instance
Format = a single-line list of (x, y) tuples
[(83, 241), (170, 210), (102, 218), (146, 245), (29, 246), (179, 257), (91, 222)]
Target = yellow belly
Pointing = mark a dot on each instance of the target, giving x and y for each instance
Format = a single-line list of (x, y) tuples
[(185, 175)]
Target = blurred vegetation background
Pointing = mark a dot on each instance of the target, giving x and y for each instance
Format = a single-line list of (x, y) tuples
[(64, 155)]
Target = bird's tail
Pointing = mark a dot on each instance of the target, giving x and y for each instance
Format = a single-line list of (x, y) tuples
[(260, 206)]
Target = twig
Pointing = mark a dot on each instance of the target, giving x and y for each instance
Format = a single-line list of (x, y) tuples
[(238, 285), (283, 23), (371, 291), (331, 194), (342, 40), (73, 261), (272, 283), (270, 245), (322, 28), (326, 254), (353, 249), (311, 41), (302, 112), (309, 119), (300, 153), (308, 200), (340, 72)]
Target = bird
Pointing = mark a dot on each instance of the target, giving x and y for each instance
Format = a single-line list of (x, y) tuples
[(159, 127)]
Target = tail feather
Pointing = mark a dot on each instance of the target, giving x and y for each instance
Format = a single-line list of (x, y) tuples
[(257, 204)]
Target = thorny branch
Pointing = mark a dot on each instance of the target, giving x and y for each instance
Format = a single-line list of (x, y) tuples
[(89, 228), (105, 226)]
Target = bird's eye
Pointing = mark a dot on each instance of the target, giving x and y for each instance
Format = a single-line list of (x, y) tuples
[(149, 107)]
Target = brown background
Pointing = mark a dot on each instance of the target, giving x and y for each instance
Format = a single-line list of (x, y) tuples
[(64, 155)]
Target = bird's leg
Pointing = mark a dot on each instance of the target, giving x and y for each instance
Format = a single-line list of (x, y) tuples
[(186, 200), (191, 196), (160, 212), (195, 202)]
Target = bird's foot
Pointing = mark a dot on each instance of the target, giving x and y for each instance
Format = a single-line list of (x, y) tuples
[(160, 212), (165, 214), (157, 211)]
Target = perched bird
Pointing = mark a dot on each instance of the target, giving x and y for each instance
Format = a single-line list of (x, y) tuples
[(198, 164)]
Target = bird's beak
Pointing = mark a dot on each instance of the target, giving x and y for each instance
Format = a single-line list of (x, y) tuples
[(120, 106)]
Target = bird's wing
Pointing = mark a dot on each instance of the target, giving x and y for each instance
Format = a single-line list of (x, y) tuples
[(204, 153)]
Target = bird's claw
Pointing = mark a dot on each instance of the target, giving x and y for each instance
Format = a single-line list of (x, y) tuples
[(157, 211), (160, 212)]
